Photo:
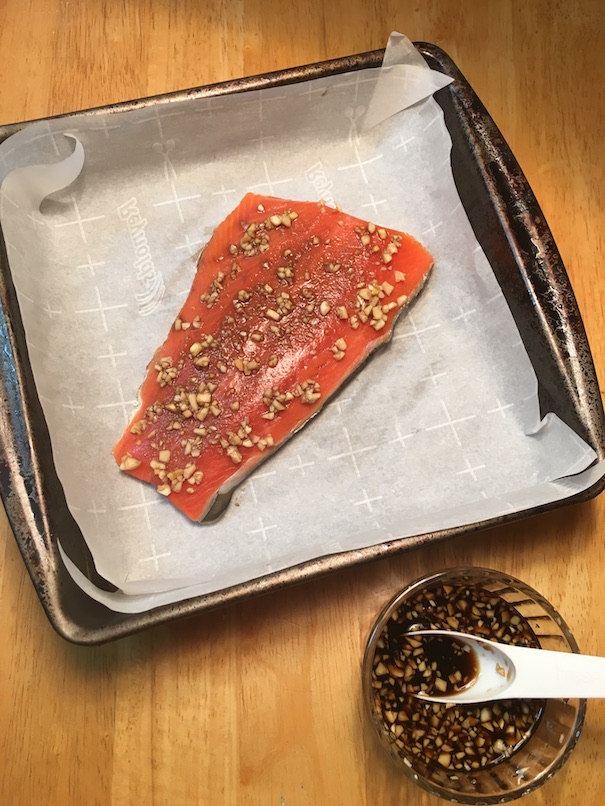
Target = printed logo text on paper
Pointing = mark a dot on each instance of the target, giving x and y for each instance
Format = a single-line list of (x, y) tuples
[(151, 280), (322, 185)]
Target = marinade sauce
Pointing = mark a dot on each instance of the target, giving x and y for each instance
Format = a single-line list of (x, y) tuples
[(457, 737), (443, 666)]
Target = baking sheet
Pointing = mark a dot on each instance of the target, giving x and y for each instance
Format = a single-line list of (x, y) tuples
[(458, 409)]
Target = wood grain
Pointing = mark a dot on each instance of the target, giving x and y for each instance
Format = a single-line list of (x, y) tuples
[(259, 703)]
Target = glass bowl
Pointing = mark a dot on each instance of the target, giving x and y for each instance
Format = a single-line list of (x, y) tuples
[(543, 744)]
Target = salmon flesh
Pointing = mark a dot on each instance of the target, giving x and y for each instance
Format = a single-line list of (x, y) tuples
[(289, 298)]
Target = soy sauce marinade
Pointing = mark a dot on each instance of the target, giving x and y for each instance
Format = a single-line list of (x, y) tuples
[(437, 665), (456, 737)]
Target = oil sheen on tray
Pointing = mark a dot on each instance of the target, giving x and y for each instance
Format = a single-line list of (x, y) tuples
[(289, 298)]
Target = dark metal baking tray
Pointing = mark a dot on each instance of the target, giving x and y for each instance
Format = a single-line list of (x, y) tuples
[(510, 227)]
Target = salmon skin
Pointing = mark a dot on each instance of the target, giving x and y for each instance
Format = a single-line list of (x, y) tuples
[(289, 298)]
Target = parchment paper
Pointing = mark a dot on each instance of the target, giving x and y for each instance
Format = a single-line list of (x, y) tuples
[(102, 228)]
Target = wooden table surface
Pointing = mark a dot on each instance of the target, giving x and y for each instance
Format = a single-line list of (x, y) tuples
[(258, 703)]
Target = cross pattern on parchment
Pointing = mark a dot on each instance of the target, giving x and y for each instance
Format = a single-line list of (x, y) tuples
[(494, 298), (470, 470), (579, 461), (338, 404), (262, 530), (102, 309), (96, 511), (104, 127), (70, 406), (353, 114), (210, 106), (90, 264), (373, 203), (451, 423), (112, 355), (415, 331), (257, 477), (437, 117), (270, 183), (177, 200), (126, 405), (432, 228), (356, 82), (310, 91), (501, 408), (360, 164), (403, 143), (52, 312), (12, 202), (505, 510), (12, 248), (352, 453), (223, 192), (453, 211), (433, 376), (158, 117), (261, 140), (79, 221), (401, 438), (366, 501), (464, 315), (261, 100), (21, 295), (53, 136), (154, 557), (145, 503), (190, 245), (37, 222), (301, 465)]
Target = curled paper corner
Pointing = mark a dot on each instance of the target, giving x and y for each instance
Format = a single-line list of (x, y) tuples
[(580, 462), (404, 79), (135, 598), (113, 600), (400, 50), (28, 187), (538, 426)]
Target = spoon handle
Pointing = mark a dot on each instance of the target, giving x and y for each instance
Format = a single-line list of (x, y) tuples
[(543, 673), (507, 672)]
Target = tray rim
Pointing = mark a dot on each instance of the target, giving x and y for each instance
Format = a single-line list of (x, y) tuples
[(38, 543)]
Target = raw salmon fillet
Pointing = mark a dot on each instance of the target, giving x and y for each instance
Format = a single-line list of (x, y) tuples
[(289, 298)]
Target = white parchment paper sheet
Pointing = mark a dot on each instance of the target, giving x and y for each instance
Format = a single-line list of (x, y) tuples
[(441, 428)]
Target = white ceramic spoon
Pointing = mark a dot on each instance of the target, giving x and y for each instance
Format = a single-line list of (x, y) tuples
[(512, 672)]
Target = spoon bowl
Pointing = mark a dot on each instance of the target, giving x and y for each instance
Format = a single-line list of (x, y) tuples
[(504, 672)]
